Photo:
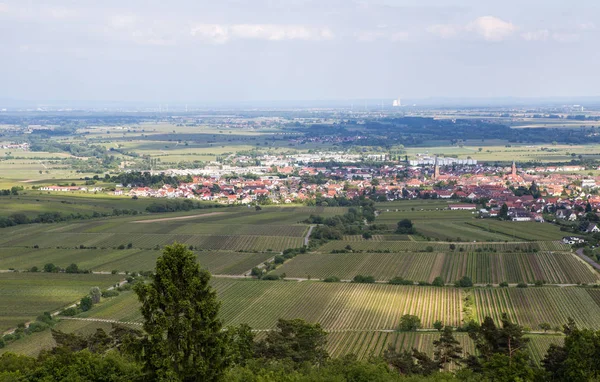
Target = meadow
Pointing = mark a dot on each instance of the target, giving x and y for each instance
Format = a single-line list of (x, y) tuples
[(24, 296)]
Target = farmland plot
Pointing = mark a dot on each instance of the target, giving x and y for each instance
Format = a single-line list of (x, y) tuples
[(421, 246), (532, 306), (24, 296), (339, 306)]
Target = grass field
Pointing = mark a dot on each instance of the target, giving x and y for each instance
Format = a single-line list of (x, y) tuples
[(24, 296), (483, 268)]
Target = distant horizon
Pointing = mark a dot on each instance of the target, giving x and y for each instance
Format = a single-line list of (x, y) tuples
[(358, 104)]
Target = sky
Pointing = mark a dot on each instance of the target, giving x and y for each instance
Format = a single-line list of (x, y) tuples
[(263, 50)]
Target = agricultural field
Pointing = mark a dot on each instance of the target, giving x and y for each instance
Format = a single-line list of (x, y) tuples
[(32, 203), (107, 260), (532, 306), (482, 268), (520, 230), (24, 296), (337, 306), (436, 246), (224, 229)]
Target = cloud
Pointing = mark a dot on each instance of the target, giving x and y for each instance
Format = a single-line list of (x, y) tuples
[(444, 31), (222, 33), (539, 35), (491, 28), (587, 26), (565, 37), (122, 21), (374, 35), (62, 13), (3, 7)]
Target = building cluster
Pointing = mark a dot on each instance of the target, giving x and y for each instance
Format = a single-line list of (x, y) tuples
[(514, 194)]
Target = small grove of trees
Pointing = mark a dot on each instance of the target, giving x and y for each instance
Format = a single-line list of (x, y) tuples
[(405, 227)]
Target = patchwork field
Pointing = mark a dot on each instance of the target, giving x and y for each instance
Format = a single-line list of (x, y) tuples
[(482, 268), (338, 306), (217, 262), (436, 246), (533, 306), (24, 296)]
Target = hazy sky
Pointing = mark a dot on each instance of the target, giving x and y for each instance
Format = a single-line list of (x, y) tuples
[(197, 50)]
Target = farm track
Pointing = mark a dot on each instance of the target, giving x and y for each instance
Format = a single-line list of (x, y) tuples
[(178, 218), (591, 262)]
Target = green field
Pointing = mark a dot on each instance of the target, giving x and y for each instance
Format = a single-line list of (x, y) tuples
[(482, 268), (436, 246), (24, 296), (217, 262), (337, 306)]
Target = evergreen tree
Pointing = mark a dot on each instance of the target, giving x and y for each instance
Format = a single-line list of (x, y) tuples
[(447, 349), (184, 340)]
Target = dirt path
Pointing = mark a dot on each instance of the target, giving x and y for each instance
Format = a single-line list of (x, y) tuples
[(307, 238), (591, 262), (178, 218)]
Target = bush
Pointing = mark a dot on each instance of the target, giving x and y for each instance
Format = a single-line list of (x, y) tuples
[(522, 285), (409, 323), (279, 259), (464, 282), (270, 277), (72, 311), (72, 268), (405, 226), (122, 246), (114, 271), (34, 269), (400, 281), (539, 283), (332, 279), (85, 304), (363, 279), (110, 293), (504, 284), (438, 282), (50, 268), (367, 235), (36, 327)]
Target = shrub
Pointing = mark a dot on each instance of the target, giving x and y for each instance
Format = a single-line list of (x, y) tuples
[(439, 282), (464, 282), (539, 283), (72, 268), (122, 246), (429, 248), (72, 311), (85, 304), (363, 279), (34, 269), (279, 259), (270, 277), (409, 323), (504, 284), (50, 268), (400, 281), (114, 271), (110, 293), (522, 285), (332, 279)]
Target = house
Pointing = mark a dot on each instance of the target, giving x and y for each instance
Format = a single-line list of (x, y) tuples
[(592, 228), (572, 240), (462, 206)]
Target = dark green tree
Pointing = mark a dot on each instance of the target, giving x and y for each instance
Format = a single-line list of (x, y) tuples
[(184, 340), (296, 340), (447, 349), (86, 303), (405, 226), (503, 214), (409, 323)]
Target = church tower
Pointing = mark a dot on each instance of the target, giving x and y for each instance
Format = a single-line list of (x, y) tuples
[(436, 169), (514, 170)]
